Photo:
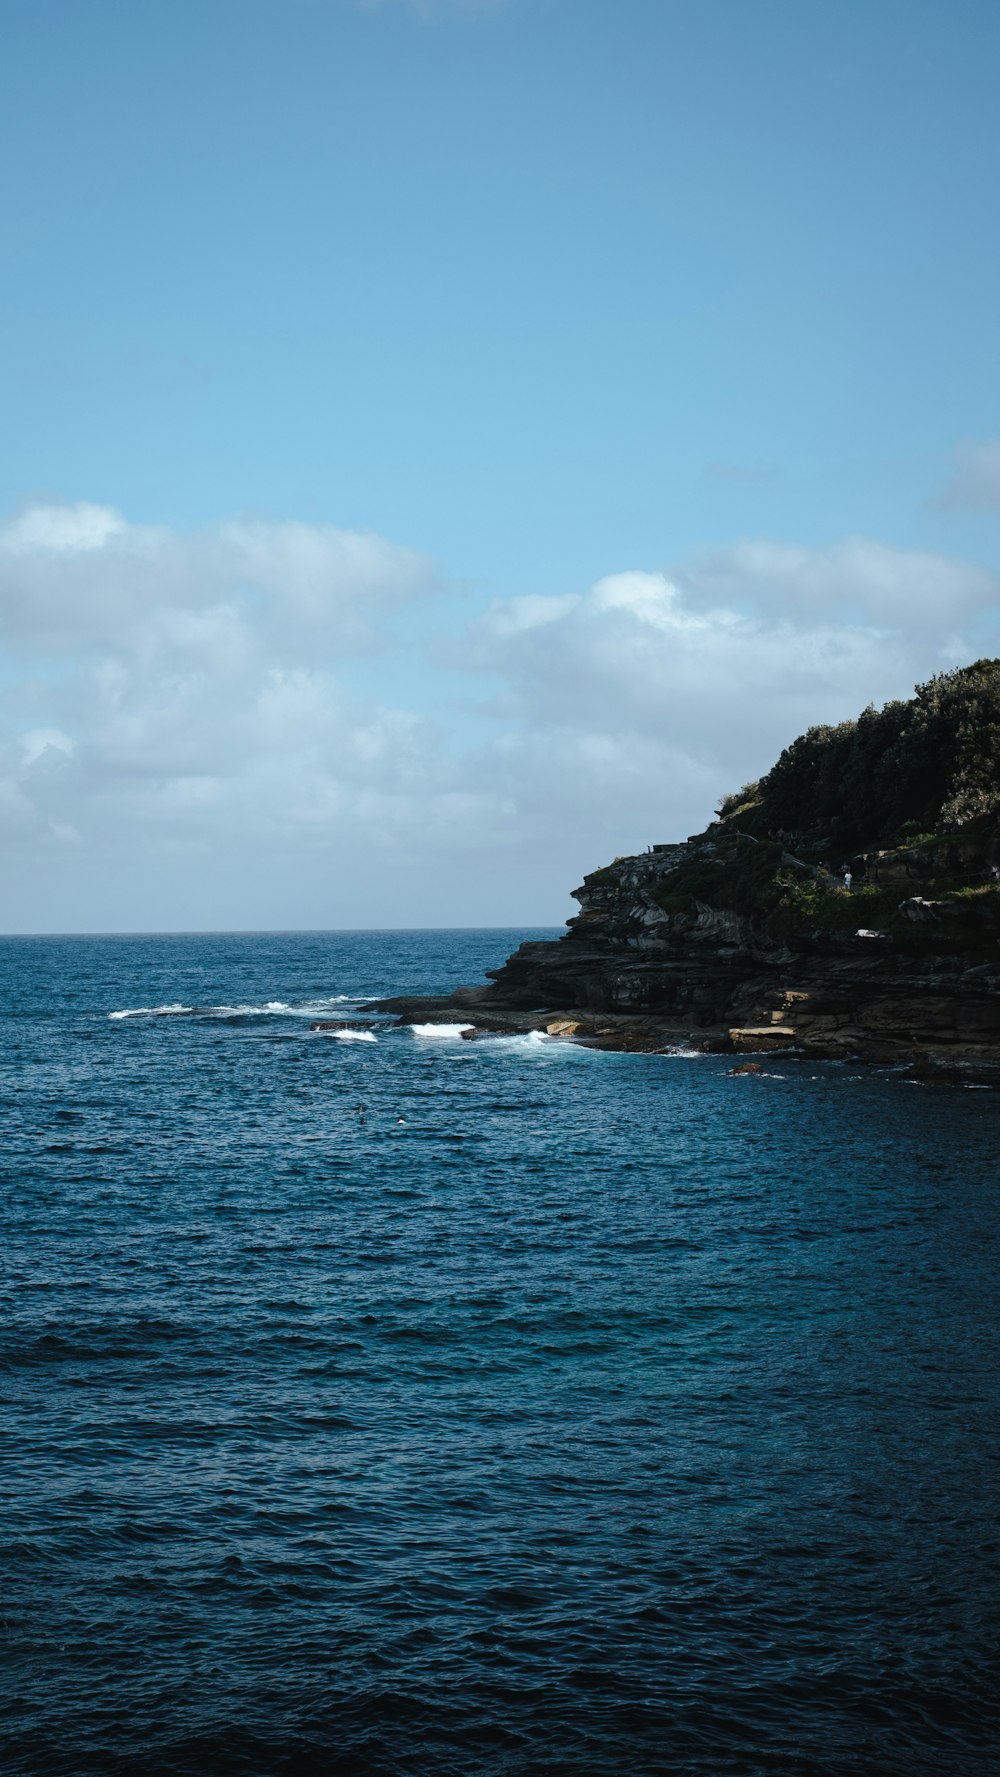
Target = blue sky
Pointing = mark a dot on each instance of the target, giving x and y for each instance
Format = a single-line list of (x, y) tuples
[(534, 295)]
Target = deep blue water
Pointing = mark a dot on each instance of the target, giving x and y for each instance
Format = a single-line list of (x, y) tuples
[(605, 1414)]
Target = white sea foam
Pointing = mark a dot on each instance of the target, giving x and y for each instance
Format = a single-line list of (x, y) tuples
[(151, 1011), (353, 1036), (446, 1032), (277, 1008), (268, 1010), (258, 1009)]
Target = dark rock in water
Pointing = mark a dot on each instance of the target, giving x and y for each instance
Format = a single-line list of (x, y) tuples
[(745, 1067)]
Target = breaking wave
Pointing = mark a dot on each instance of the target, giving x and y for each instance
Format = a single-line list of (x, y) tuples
[(444, 1032), (150, 1011), (313, 1008)]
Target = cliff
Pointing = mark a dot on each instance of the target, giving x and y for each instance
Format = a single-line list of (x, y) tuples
[(743, 939)]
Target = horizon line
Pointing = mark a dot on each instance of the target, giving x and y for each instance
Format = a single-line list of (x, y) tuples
[(279, 931)]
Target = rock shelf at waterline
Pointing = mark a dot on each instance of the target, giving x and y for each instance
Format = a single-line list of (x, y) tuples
[(846, 907)]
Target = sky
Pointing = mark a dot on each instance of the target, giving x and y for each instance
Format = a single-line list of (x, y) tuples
[(450, 443)]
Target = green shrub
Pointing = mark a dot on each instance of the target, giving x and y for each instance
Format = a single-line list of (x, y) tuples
[(908, 770), (742, 880)]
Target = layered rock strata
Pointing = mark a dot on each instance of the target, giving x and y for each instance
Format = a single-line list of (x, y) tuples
[(636, 971)]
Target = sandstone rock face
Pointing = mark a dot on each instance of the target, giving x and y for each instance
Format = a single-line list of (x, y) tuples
[(636, 970), (764, 1036), (641, 967)]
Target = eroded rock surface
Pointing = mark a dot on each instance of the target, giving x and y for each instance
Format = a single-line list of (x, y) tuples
[(642, 968)]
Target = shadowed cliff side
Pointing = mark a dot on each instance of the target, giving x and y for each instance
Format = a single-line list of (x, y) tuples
[(848, 905)]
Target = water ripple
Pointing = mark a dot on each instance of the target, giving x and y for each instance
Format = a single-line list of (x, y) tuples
[(422, 1406)]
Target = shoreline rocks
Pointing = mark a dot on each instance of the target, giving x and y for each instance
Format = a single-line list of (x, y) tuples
[(635, 971)]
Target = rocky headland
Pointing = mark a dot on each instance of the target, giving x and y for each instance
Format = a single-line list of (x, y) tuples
[(747, 938)]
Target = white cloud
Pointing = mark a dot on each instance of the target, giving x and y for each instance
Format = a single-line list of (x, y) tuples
[(37, 742), (62, 528), (200, 745), (974, 483), (79, 576), (639, 654), (631, 707), (858, 578)]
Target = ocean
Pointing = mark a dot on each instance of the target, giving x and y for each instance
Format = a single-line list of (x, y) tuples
[(382, 1402)]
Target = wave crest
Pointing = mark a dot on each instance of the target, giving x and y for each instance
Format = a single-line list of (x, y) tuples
[(151, 1011)]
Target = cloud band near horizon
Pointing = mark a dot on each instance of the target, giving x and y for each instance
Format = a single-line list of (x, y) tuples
[(221, 727)]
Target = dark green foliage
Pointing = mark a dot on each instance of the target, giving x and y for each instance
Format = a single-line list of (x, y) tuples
[(738, 801), (744, 879), (919, 766), (808, 907), (917, 780), (908, 796)]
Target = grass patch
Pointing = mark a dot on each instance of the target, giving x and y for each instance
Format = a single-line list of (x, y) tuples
[(807, 907)]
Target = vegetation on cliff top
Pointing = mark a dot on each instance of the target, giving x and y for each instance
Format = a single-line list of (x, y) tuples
[(919, 780), (911, 769)]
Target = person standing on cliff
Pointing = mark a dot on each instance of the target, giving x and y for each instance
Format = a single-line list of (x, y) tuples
[(848, 879)]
